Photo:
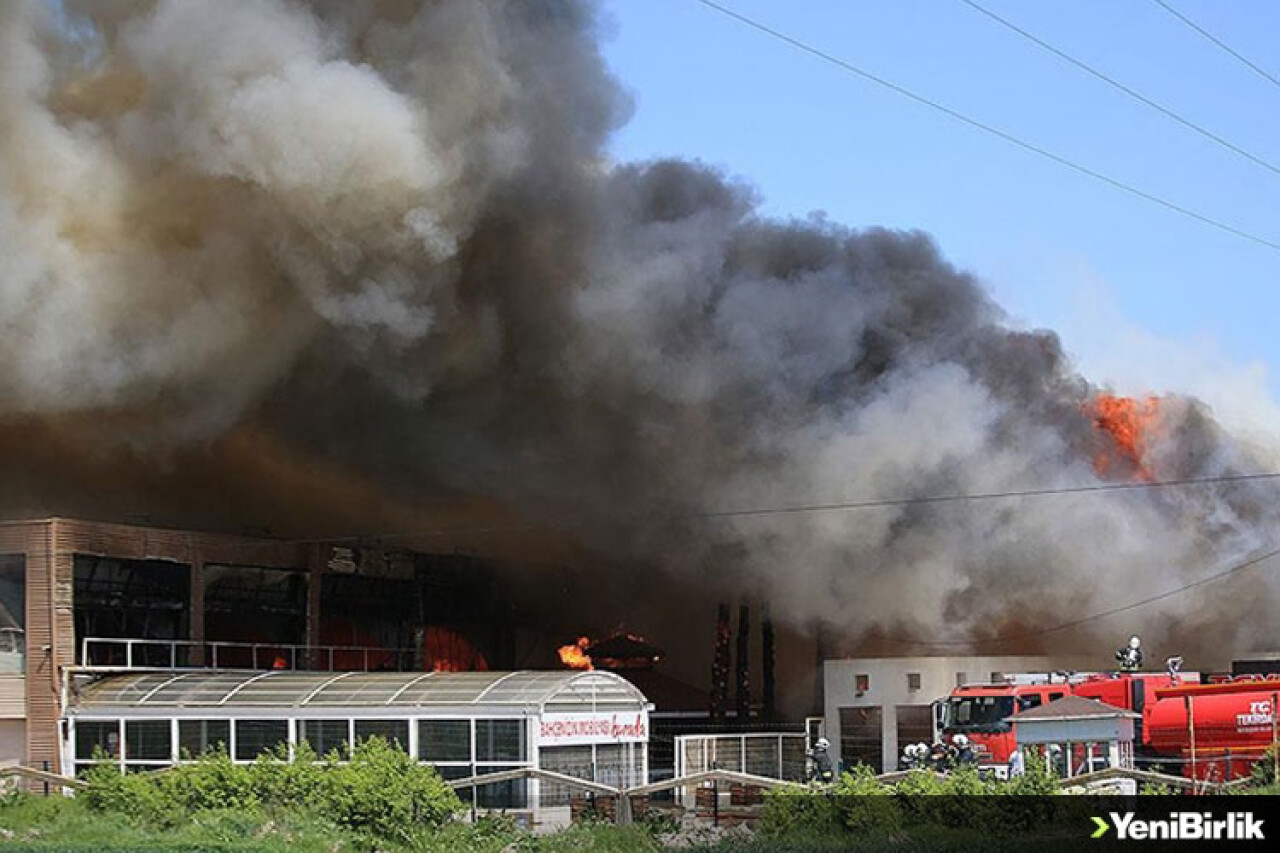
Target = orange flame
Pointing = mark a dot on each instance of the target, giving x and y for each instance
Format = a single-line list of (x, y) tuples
[(1129, 423), (575, 655)]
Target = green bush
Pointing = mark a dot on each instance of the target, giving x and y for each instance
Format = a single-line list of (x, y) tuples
[(376, 790), (799, 811), (865, 804), (1037, 779), (384, 791), (1264, 769)]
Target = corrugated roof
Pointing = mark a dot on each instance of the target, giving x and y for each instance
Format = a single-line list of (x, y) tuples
[(1072, 708), (554, 690)]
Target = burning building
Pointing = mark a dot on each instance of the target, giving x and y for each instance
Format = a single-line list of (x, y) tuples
[(112, 597), (348, 270)]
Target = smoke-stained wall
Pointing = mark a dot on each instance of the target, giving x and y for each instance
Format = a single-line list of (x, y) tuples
[(357, 257)]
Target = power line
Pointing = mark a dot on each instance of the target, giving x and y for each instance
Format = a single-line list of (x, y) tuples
[(850, 506), (1219, 42), (1083, 620), (1116, 84), (987, 128), (985, 496)]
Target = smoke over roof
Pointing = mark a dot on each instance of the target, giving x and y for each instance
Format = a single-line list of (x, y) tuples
[(253, 248)]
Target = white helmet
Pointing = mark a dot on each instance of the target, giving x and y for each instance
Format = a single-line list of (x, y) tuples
[(822, 743), (960, 741), (1135, 642)]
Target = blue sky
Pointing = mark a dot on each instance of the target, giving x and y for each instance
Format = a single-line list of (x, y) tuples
[(1144, 298)]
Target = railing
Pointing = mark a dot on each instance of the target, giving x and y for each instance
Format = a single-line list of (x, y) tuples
[(128, 653), (34, 776), (776, 755), (623, 794)]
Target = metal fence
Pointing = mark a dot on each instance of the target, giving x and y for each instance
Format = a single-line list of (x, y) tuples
[(775, 755)]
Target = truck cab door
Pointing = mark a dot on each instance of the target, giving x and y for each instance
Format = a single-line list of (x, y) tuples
[(939, 709)]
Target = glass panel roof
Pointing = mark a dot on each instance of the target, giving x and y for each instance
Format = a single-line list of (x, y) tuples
[(553, 690)]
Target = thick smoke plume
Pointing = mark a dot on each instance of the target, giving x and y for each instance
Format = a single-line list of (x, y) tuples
[(383, 237)]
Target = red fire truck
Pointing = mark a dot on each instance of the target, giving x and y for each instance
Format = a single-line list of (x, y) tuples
[(986, 713), (1214, 731), (982, 712)]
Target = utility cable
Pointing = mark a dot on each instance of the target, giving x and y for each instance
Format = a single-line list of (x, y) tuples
[(1217, 41), (1116, 84), (797, 509), (987, 128)]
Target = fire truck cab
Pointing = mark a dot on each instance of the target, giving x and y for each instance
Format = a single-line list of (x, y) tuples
[(982, 712)]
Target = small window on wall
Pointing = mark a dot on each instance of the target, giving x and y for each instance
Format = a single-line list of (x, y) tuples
[(500, 740), (147, 740), (913, 681), (92, 735), (862, 683), (254, 737), (444, 740), (324, 736), (394, 732), (962, 678), (997, 677), (198, 737)]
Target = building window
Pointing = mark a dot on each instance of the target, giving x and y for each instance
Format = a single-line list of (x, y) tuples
[(324, 736), (962, 678), (862, 683), (500, 740), (444, 740), (147, 740), (91, 735), (254, 737), (913, 681), (13, 585), (512, 794), (198, 737), (997, 677), (394, 732)]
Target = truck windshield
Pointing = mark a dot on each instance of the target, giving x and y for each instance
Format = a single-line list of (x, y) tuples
[(978, 712)]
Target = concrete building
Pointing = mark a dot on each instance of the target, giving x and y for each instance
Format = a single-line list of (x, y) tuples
[(78, 594), (875, 706)]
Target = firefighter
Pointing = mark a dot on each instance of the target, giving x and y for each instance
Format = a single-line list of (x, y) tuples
[(824, 769), (916, 755), (910, 761), (963, 750), (939, 757)]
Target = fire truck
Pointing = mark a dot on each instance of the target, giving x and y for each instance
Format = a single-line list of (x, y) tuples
[(983, 713), (1215, 731), (986, 713)]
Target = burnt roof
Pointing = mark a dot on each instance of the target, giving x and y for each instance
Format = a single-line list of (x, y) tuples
[(624, 647)]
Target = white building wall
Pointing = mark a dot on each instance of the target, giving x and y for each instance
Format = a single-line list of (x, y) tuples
[(887, 687)]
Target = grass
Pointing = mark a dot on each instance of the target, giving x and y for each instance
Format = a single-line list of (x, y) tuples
[(67, 825), (50, 824)]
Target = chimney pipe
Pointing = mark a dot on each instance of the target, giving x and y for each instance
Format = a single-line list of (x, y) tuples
[(744, 664), (768, 659), (720, 666)]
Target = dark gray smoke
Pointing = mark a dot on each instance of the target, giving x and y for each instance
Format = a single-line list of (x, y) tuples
[(384, 238)]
